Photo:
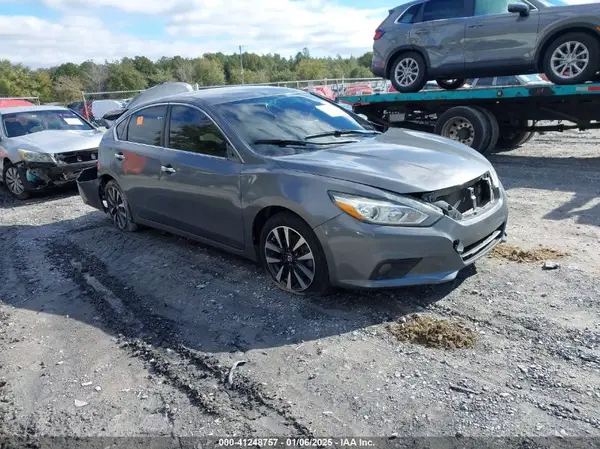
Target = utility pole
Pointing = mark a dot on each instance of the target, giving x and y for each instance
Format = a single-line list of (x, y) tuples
[(241, 64)]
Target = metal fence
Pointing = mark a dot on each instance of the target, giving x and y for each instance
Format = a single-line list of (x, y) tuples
[(35, 100), (338, 86)]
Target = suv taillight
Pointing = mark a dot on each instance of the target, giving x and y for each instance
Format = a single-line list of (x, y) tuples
[(378, 34)]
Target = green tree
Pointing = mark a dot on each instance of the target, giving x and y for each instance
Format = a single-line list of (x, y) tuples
[(365, 60), (361, 72), (67, 88), (124, 76), (68, 69), (311, 69), (209, 72), (160, 76), (42, 85)]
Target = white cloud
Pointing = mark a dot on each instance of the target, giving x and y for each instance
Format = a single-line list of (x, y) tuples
[(193, 27)]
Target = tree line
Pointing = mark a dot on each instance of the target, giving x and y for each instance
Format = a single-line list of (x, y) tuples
[(65, 82)]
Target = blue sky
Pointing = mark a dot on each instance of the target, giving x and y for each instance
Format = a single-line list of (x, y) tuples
[(40, 33)]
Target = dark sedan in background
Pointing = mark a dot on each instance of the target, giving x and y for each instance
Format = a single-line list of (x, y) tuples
[(291, 179)]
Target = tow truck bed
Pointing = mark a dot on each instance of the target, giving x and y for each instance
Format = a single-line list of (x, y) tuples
[(486, 118)]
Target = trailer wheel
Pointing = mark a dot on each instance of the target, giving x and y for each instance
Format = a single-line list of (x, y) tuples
[(572, 58), (494, 128), (451, 84), (509, 140), (527, 138), (409, 72), (466, 125)]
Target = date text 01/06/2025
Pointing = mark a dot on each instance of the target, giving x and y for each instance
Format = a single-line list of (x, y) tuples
[(295, 442)]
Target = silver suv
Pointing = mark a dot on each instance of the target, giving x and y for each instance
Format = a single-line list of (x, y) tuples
[(450, 40)]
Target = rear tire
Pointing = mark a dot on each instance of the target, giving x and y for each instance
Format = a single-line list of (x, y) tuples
[(408, 72), (292, 256), (587, 52), (494, 129), (452, 84), (13, 179), (118, 207), (466, 125)]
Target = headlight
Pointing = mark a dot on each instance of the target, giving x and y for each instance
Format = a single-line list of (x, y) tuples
[(34, 156), (494, 177), (379, 212)]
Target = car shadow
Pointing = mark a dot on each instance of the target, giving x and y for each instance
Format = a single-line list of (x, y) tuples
[(170, 291), (579, 176), (7, 201)]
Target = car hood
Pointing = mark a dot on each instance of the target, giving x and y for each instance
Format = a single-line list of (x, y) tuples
[(400, 161), (59, 141)]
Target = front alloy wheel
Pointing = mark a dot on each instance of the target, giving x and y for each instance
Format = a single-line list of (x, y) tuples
[(290, 259), (292, 255), (14, 182), (572, 58)]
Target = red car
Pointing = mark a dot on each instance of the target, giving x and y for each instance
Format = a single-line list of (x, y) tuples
[(13, 103), (324, 91), (359, 89)]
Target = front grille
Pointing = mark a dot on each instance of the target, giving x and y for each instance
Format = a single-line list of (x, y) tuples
[(465, 200), (481, 247), (75, 157)]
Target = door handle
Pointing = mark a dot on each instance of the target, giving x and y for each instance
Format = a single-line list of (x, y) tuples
[(167, 169), (475, 25), (119, 156)]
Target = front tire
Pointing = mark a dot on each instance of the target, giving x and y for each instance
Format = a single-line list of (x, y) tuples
[(409, 72), (452, 84), (292, 256), (13, 180), (118, 208), (572, 58)]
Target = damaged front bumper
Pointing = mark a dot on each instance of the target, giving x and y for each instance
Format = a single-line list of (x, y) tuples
[(40, 175), (88, 185)]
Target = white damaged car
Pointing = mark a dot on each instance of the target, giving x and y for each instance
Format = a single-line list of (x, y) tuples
[(44, 146)]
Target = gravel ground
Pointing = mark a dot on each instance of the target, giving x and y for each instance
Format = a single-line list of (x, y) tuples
[(105, 333)]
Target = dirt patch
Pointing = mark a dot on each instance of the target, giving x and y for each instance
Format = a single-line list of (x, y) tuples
[(433, 333), (520, 255)]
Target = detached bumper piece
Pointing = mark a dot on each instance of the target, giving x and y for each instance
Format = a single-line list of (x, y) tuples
[(89, 188)]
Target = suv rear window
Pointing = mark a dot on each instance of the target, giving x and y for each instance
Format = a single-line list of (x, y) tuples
[(443, 9), (409, 15)]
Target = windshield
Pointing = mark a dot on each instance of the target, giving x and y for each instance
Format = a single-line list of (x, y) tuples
[(290, 117), (549, 3), (21, 123)]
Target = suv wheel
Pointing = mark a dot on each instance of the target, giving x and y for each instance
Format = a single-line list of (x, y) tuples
[(408, 72), (451, 84), (14, 182), (572, 59)]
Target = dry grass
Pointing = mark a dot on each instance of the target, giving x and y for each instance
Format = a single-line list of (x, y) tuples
[(519, 255), (433, 333)]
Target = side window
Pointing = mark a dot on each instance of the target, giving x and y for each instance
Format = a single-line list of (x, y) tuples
[(410, 14), (146, 126), (193, 131), (491, 7), (122, 130), (443, 9)]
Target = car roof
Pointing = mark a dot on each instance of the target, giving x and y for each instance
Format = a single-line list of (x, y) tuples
[(31, 109), (220, 95)]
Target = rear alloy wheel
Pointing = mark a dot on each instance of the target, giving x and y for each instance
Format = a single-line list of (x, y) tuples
[(572, 59), (409, 72), (292, 256), (14, 182), (466, 125), (451, 84), (118, 208)]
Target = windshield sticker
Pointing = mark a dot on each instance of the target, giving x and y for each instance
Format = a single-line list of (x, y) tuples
[(72, 121), (331, 110), (139, 121)]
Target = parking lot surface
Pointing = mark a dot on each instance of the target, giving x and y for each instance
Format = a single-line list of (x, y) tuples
[(106, 333)]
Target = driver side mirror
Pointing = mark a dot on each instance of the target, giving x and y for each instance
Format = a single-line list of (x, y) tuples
[(521, 8)]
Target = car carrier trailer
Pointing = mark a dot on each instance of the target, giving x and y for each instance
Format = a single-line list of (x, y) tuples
[(485, 118)]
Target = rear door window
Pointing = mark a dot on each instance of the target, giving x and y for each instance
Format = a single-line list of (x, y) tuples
[(443, 9), (146, 126)]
